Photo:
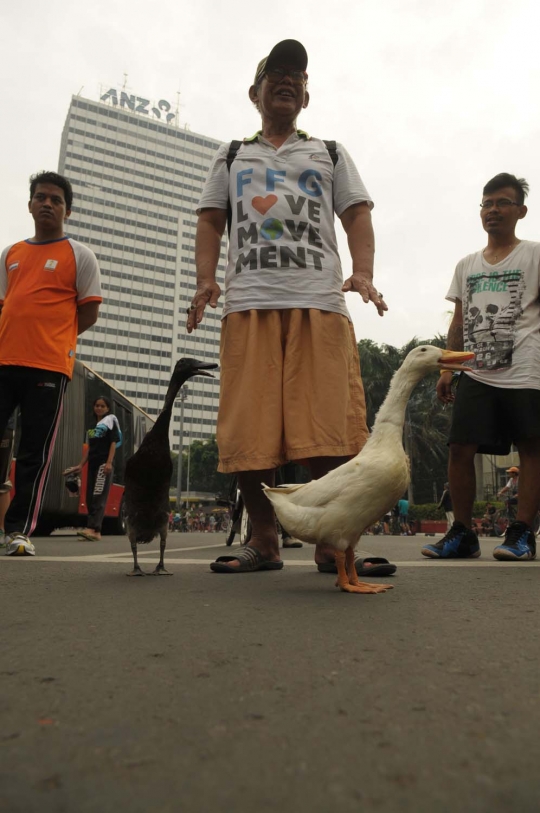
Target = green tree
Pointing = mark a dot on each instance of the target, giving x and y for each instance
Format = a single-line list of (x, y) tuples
[(202, 458)]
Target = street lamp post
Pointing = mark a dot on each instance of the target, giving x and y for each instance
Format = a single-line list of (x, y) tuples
[(188, 465), (182, 396)]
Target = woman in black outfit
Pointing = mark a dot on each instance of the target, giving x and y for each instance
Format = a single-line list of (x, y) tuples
[(102, 441)]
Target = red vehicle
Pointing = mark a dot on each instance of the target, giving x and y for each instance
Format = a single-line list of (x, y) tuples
[(60, 509)]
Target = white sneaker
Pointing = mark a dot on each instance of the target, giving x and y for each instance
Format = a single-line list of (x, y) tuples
[(2, 538), (19, 545)]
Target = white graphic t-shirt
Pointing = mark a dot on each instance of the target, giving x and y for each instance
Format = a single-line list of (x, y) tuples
[(501, 316), (282, 249)]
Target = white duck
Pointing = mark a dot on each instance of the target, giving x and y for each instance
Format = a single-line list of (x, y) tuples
[(338, 507)]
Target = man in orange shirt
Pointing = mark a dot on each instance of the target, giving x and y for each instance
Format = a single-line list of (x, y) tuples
[(49, 293)]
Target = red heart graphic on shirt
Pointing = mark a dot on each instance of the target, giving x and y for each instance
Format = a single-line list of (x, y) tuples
[(262, 205)]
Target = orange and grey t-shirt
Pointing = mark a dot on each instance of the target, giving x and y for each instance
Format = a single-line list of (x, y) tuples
[(41, 287)]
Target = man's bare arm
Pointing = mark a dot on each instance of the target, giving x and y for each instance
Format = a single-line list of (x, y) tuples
[(358, 227), (210, 228), (455, 331), (87, 315), (454, 341)]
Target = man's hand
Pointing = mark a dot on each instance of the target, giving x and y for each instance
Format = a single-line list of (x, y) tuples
[(367, 291), (207, 293), (444, 387), (453, 342), (356, 221), (210, 227)]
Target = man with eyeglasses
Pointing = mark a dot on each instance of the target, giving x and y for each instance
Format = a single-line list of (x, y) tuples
[(497, 403), (290, 378)]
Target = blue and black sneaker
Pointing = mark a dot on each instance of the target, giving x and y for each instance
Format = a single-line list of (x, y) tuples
[(519, 543), (458, 543)]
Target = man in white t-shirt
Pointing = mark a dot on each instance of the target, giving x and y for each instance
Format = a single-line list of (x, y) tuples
[(290, 378), (497, 316)]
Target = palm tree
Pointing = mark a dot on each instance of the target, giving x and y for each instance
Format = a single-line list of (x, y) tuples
[(428, 427)]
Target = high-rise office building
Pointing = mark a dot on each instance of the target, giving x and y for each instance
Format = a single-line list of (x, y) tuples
[(137, 178)]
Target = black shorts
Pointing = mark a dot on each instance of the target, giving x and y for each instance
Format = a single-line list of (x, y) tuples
[(493, 417)]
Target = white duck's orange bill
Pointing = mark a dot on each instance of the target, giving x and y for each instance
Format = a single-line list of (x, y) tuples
[(453, 360)]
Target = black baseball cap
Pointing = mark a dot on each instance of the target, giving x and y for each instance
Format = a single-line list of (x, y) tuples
[(287, 52)]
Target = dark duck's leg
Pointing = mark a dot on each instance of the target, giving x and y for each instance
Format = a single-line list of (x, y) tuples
[(347, 579), (136, 569), (160, 567)]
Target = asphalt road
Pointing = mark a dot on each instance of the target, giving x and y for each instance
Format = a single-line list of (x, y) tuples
[(268, 691)]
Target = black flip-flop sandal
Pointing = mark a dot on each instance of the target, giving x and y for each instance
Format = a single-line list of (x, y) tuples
[(370, 566), (250, 560)]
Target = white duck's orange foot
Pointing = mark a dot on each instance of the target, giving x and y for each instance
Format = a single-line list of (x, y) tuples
[(362, 587), (347, 579)]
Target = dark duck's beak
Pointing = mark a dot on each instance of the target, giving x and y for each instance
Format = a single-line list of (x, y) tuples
[(203, 367), (188, 368)]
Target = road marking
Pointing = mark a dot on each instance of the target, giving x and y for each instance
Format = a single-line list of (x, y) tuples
[(144, 551), (120, 559)]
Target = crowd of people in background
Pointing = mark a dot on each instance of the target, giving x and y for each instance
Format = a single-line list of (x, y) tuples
[(395, 523), (197, 520)]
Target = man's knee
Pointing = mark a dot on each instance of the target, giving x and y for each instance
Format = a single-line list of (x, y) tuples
[(529, 448), (462, 453)]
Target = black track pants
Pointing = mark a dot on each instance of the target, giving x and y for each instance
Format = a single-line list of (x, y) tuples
[(39, 395), (98, 486)]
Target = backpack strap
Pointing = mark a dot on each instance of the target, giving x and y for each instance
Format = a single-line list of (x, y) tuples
[(331, 146), (234, 146)]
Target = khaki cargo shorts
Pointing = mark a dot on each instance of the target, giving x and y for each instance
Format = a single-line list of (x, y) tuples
[(290, 389)]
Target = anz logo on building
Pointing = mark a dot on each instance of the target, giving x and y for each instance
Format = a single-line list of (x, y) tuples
[(139, 105)]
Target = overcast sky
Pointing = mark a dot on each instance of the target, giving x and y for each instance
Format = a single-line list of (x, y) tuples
[(431, 99)]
